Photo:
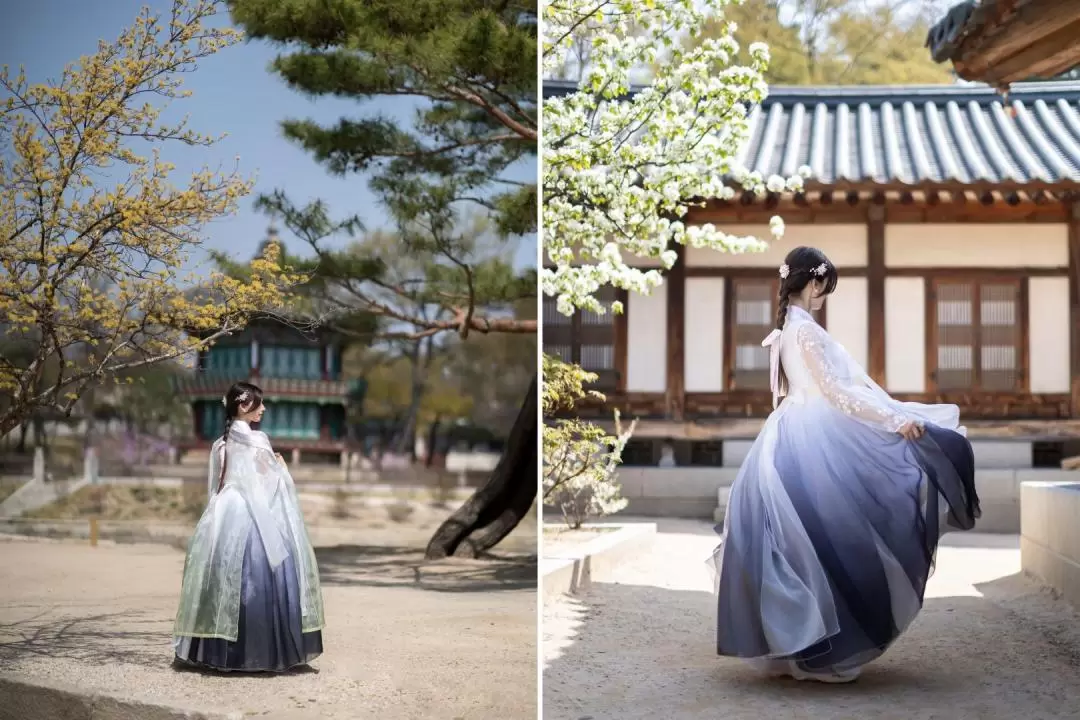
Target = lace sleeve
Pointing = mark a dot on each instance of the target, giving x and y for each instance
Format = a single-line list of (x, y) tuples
[(850, 400), (265, 461)]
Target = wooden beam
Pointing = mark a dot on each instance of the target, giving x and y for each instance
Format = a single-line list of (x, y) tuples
[(1074, 305), (934, 208), (756, 273), (875, 274), (976, 272), (675, 280), (1012, 31), (1050, 55)]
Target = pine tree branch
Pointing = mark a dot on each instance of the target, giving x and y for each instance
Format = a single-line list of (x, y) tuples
[(480, 101)]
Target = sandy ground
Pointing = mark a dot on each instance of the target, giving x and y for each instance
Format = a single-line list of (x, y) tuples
[(989, 645), (405, 639)]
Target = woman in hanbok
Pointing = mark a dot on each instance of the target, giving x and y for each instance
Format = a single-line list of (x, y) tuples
[(834, 517), (251, 599)]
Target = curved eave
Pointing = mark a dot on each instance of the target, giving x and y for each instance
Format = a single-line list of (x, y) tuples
[(1001, 42)]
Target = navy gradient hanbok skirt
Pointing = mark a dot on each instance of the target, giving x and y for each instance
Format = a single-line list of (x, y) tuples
[(830, 536), (269, 635)]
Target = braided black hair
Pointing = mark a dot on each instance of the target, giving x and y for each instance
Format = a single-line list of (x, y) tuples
[(240, 394), (803, 265)]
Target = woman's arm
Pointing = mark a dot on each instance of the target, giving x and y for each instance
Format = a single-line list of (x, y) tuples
[(851, 400)]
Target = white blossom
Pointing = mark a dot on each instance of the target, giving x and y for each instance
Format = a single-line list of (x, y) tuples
[(760, 51), (621, 171), (776, 226)]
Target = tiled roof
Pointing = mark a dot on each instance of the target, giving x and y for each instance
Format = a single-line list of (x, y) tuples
[(918, 136), (214, 385)]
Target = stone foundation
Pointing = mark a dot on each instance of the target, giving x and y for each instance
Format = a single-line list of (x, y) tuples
[(1050, 535), (702, 491)]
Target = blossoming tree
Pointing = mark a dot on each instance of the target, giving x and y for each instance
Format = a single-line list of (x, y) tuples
[(94, 235), (623, 164)]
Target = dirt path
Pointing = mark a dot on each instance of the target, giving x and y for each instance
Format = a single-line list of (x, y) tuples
[(988, 645), (404, 640)]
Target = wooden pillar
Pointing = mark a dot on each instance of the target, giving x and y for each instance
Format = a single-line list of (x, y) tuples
[(675, 280), (621, 347), (1074, 305), (875, 287)]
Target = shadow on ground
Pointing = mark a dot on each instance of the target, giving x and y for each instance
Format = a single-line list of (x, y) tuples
[(648, 652), (102, 639), (382, 566)]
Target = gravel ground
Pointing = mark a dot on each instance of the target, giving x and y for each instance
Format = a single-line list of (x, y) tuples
[(989, 645), (405, 639)]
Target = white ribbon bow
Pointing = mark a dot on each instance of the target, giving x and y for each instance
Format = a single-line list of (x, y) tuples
[(772, 341)]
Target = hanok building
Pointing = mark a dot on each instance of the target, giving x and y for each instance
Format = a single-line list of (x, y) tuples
[(299, 372), (954, 219), (1000, 42), (300, 376)]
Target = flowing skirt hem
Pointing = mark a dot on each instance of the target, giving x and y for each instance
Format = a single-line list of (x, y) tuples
[(830, 535)]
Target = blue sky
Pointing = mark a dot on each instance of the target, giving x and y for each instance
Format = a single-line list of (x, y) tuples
[(233, 93)]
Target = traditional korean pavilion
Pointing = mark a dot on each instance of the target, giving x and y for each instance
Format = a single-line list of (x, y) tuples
[(953, 215), (299, 372)]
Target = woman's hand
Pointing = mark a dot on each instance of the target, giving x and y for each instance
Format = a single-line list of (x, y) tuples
[(281, 459), (912, 430)]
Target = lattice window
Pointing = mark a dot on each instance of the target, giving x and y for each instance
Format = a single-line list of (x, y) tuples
[(753, 317), (233, 360), (291, 362), (976, 335), (586, 338)]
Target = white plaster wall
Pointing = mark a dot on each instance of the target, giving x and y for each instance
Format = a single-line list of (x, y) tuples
[(845, 245), (972, 245), (646, 342), (1048, 328), (905, 334), (704, 334), (846, 314)]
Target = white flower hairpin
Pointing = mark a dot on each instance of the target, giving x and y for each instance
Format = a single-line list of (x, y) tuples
[(240, 399), (821, 269), (784, 271)]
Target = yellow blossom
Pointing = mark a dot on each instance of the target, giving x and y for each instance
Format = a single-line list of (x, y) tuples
[(95, 231)]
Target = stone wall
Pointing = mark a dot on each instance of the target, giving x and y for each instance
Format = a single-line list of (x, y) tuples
[(1050, 536)]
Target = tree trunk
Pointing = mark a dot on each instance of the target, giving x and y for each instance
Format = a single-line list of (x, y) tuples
[(40, 439), (406, 443), (495, 509), (12, 419), (432, 438)]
